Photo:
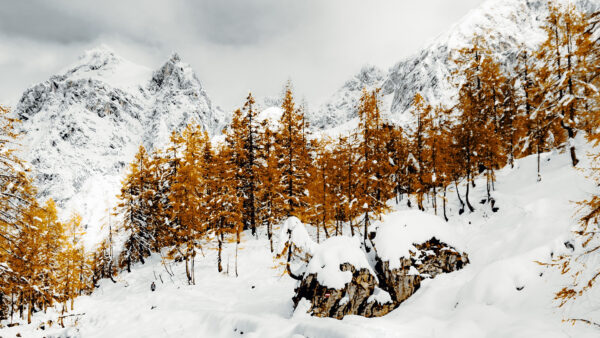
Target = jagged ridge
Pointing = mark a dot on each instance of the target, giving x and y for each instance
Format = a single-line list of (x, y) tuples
[(87, 122)]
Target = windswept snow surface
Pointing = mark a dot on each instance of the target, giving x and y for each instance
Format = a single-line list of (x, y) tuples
[(502, 293)]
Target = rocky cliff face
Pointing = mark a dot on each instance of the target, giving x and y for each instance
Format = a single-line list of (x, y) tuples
[(176, 97), (87, 122)]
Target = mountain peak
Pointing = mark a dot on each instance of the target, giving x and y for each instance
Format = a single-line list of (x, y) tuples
[(101, 57), (368, 76), (92, 117), (174, 73), (175, 58), (103, 64)]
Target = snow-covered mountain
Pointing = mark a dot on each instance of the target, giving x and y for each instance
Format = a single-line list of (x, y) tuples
[(341, 106), (82, 127), (507, 25)]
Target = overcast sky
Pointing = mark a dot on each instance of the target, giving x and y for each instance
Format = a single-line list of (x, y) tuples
[(233, 45)]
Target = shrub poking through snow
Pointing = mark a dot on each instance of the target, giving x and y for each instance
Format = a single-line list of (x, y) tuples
[(295, 246)]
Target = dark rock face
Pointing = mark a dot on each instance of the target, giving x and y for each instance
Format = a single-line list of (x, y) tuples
[(435, 257), (432, 258), (398, 282), (328, 302)]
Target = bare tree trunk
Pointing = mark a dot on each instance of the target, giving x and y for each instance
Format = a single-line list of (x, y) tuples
[(539, 176), (270, 235), (325, 228), (29, 308), (366, 229), (488, 184), (467, 193), (193, 273), (287, 265), (220, 240), (434, 200), (462, 204), (444, 202)]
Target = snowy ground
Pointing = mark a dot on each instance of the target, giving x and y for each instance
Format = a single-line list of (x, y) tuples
[(502, 293)]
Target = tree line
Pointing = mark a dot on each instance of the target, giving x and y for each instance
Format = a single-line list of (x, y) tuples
[(263, 172)]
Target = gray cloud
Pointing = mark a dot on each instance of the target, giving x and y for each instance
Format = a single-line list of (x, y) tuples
[(234, 45), (42, 21), (242, 22)]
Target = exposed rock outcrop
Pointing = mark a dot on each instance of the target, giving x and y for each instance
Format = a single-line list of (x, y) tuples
[(336, 303), (340, 281), (431, 259)]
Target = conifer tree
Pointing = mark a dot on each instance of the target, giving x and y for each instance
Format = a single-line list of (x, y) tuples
[(292, 146), (398, 149), (18, 235), (444, 161), (536, 122), (321, 188), (270, 195), (132, 208), (512, 121), (347, 160), (243, 140), (73, 269), (162, 172), (563, 61), (224, 202), (492, 95), (472, 122), (419, 151), (374, 165), (435, 141), (187, 199)]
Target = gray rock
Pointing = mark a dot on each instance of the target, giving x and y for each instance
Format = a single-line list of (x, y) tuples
[(432, 258), (328, 302)]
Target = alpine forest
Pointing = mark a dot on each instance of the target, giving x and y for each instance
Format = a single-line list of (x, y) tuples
[(199, 194)]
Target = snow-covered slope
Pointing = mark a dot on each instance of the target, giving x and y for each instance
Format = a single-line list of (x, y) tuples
[(176, 97), (341, 106), (82, 127), (506, 25), (502, 293)]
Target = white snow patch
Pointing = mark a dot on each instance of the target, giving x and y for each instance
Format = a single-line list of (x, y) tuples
[(293, 230), (333, 252), (399, 230), (380, 296)]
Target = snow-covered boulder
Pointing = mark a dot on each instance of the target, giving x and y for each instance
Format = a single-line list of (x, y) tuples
[(412, 246), (338, 280)]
